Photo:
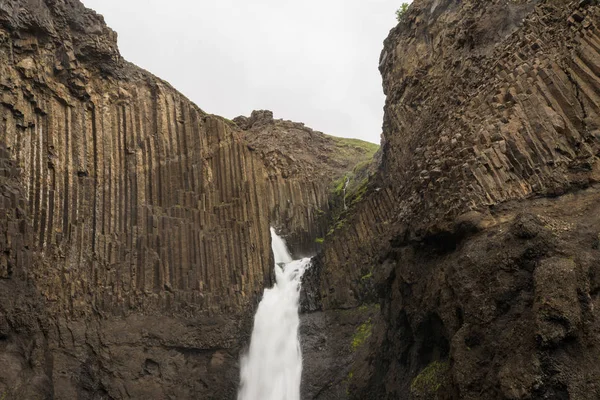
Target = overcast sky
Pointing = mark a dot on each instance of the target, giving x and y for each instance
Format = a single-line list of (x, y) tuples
[(312, 61)]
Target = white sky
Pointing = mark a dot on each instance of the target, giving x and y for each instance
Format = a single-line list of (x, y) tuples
[(311, 61)]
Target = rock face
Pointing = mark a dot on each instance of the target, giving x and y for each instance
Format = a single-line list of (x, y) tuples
[(134, 234), (304, 167), (123, 174), (23, 319), (479, 235)]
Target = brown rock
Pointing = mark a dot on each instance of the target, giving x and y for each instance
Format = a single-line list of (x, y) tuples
[(303, 166), (27, 67), (491, 106), (556, 300)]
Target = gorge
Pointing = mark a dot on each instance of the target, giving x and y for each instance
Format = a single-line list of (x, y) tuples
[(459, 260)]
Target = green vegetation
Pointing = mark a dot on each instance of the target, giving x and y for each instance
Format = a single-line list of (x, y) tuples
[(362, 333), (338, 224), (368, 307), (360, 190), (356, 183), (347, 382), (367, 276), (429, 380), (348, 146), (339, 184), (401, 12), (319, 240)]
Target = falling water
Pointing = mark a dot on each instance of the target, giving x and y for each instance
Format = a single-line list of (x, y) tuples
[(345, 187), (273, 366)]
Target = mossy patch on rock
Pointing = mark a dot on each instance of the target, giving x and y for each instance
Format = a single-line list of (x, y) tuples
[(429, 380), (362, 333), (367, 276)]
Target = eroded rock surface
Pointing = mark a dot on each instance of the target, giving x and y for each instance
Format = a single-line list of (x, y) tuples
[(304, 166), (478, 235), (134, 236)]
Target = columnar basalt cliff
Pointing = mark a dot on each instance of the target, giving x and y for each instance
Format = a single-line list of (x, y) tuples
[(135, 217), (478, 237), (23, 318), (304, 166)]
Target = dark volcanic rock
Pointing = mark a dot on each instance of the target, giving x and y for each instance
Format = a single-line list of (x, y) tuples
[(479, 232), (24, 346), (134, 234), (303, 167)]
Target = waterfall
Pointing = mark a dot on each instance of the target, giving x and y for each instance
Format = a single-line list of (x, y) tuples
[(280, 250), (272, 368), (345, 187)]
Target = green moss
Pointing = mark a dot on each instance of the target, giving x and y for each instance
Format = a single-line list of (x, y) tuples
[(339, 224), (361, 166), (347, 190), (339, 184), (359, 191), (347, 382), (367, 276), (319, 240), (429, 380), (362, 333)]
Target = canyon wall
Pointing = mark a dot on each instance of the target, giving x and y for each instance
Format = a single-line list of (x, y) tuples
[(136, 191), (135, 219), (484, 105), (304, 168), (478, 237)]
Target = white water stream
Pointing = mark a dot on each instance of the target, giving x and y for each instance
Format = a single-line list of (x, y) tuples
[(273, 366)]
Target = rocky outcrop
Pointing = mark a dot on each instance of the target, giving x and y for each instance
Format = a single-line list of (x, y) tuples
[(125, 175), (478, 234), (304, 167)]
